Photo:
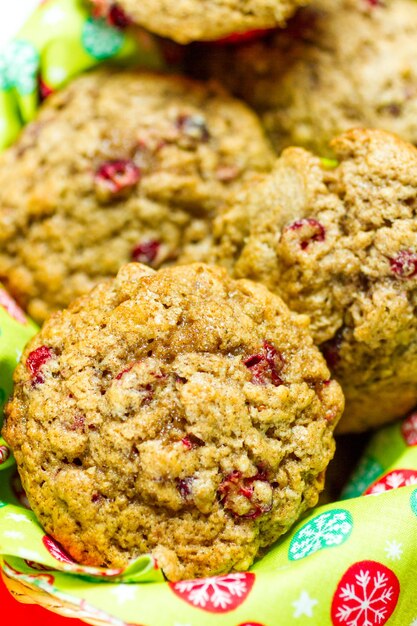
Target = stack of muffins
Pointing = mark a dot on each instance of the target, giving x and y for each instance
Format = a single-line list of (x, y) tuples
[(206, 291)]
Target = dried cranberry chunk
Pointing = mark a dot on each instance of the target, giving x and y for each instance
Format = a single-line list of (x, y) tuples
[(36, 359), (265, 365), (191, 441), (78, 423), (310, 230), (116, 176), (184, 487), (117, 17), (331, 349), (404, 264), (146, 252), (113, 14), (249, 35), (235, 484)]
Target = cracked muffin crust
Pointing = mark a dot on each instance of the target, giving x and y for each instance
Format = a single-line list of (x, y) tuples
[(194, 20), (338, 242), (177, 412), (118, 167), (340, 64)]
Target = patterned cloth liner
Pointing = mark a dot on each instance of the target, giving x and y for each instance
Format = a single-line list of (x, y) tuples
[(349, 563), (58, 42)]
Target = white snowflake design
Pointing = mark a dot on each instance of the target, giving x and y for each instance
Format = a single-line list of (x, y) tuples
[(364, 595), (393, 549), (218, 591), (328, 529)]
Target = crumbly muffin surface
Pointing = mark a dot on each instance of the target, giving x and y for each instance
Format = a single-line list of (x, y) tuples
[(194, 20), (340, 64), (340, 245), (118, 167), (177, 412)]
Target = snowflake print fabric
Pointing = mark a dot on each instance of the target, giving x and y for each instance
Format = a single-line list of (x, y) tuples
[(59, 41), (393, 480), (218, 594), (366, 595)]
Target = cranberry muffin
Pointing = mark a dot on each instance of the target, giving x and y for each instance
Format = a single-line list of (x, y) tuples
[(118, 167), (177, 412), (338, 241), (340, 64), (195, 20)]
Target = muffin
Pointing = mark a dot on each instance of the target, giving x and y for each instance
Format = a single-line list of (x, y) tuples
[(118, 167), (180, 413), (194, 20), (341, 64), (338, 242)]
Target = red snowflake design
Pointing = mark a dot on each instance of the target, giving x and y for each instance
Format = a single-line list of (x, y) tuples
[(366, 595), (409, 429), (10, 306), (56, 550), (219, 594), (392, 480)]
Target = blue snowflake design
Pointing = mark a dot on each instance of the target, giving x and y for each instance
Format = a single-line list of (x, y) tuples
[(19, 66), (366, 473), (100, 40), (327, 530)]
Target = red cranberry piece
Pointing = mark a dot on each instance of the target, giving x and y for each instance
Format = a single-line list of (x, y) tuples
[(96, 497), (116, 176), (194, 127), (331, 349), (250, 35), (246, 491), (120, 374), (146, 252), (78, 423), (36, 359), (310, 230), (117, 17), (148, 395), (184, 487), (191, 441), (265, 365), (404, 264), (235, 484)]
